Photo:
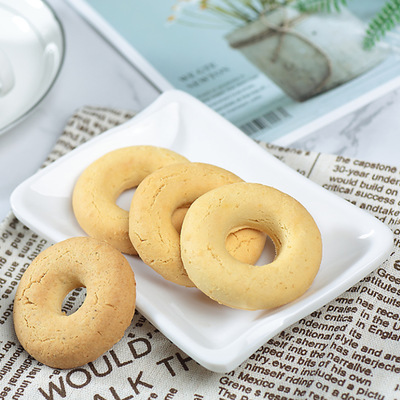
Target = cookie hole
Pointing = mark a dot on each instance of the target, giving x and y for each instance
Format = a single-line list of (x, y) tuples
[(177, 217), (125, 198), (246, 246), (268, 254), (73, 300)]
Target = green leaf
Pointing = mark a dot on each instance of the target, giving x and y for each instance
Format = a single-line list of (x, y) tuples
[(320, 5), (383, 22)]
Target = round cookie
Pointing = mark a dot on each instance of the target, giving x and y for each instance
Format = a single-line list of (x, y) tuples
[(161, 200), (68, 341), (230, 282), (99, 186)]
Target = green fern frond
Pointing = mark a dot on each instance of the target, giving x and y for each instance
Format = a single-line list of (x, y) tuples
[(320, 5), (386, 20)]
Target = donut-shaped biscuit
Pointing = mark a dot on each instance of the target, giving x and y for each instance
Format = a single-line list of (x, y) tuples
[(68, 341), (230, 282), (99, 186), (152, 217)]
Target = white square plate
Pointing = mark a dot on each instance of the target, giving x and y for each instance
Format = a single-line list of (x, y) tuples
[(217, 337)]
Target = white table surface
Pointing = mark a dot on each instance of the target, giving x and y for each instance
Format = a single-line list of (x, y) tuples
[(94, 74)]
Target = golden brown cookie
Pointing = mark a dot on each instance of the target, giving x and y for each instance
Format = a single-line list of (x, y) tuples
[(68, 341), (220, 276), (99, 186), (159, 204)]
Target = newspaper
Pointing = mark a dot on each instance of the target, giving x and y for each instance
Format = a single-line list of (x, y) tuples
[(177, 45), (348, 349)]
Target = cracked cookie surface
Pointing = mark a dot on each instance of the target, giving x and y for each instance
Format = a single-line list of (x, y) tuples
[(216, 273), (101, 183), (67, 341), (157, 210)]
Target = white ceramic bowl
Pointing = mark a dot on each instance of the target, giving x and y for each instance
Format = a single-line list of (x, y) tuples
[(32, 47)]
